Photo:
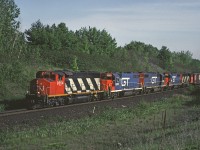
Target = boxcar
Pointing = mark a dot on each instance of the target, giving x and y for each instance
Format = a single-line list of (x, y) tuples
[(196, 78)]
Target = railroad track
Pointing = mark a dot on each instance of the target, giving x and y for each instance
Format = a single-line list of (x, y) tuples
[(11, 111), (32, 118), (25, 111)]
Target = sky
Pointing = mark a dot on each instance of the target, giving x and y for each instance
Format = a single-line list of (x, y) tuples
[(171, 23)]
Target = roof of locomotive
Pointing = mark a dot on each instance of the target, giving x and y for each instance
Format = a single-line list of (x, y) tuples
[(64, 72)]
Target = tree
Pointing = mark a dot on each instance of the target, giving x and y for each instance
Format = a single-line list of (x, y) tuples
[(91, 40), (36, 35), (9, 35), (165, 57), (75, 64), (47, 42), (185, 57), (53, 38), (146, 62)]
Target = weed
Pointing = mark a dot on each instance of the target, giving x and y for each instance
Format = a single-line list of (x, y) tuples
[(2, 107), (161, 125)]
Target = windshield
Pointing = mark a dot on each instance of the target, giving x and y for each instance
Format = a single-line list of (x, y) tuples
[(106, 76), (46, 75)]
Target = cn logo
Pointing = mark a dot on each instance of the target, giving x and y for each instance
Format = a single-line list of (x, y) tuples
[(153, 80), (124, 81)]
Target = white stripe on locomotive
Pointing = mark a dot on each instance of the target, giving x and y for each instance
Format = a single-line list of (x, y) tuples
[(185, 79), (188, 78), (82, 85), (68, 89), (90, 83), (97, 80), (72, 84)]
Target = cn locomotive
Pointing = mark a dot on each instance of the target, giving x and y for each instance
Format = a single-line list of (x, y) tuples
[(61, 87)]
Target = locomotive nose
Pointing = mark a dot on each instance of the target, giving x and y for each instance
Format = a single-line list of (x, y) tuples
[(33, 87)]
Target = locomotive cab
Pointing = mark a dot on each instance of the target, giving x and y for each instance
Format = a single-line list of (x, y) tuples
[(167, 80), (107, 81), (46, 84)]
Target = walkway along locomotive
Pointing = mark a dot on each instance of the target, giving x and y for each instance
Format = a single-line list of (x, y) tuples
[(61, 87)]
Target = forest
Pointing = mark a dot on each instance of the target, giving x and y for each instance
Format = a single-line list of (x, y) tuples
[(55, 46)]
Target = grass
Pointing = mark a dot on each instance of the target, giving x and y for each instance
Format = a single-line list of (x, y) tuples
[(2, 107), (168, 124)]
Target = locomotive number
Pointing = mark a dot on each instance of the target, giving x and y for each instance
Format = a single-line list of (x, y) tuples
[(59, 83), (124, 81)]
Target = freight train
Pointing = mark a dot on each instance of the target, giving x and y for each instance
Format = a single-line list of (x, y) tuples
[(61, 87)]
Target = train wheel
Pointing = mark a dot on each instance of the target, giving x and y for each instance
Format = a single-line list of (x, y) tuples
[(121, 94), (100, 96), (113, 95), (162, 89), (61, 101), (134, 93), (147, 91), (33, 104), (66, 101), (141, 92)]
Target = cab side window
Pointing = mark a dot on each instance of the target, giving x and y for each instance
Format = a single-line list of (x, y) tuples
[(60, 77)]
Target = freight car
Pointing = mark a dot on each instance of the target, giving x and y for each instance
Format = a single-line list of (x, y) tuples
[(61, 87), (195, 78)]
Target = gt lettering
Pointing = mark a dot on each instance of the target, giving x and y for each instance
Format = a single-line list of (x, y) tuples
[(124, 81), (173, 78), (153, 80)]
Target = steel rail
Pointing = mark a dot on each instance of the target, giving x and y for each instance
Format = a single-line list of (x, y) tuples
[(25, 111)]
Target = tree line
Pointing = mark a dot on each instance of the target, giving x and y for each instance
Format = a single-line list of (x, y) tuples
[(57, 47)]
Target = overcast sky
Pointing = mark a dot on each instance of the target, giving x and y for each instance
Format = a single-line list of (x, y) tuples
[(171, 23)]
